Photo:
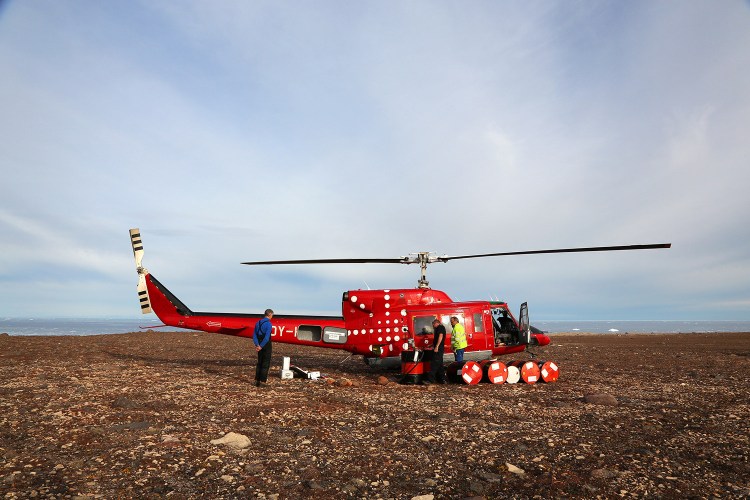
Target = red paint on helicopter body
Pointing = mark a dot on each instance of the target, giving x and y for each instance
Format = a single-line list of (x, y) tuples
[(374, 323)]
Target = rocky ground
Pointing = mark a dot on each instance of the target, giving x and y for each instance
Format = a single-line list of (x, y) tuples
[(134, 415)]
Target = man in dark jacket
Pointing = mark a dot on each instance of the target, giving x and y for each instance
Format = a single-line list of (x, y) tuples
[(437, 374), (262, 341)]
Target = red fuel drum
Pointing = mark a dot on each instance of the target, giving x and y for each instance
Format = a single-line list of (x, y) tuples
[(464, 372), (548, 370), (412, 372), (494, 371), (529, 371), (471, 373)]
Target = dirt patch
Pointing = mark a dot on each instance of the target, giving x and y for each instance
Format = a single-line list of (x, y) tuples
[(133, 415)]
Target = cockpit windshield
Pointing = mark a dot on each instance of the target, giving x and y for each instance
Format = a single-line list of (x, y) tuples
[(502, 320), (506, 330)]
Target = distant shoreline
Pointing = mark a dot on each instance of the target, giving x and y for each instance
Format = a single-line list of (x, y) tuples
[(92, 326), (552, 335), (582, 334)]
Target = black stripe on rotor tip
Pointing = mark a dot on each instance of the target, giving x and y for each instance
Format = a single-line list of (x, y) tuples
[(135, 248), (137, 241), (145, 306)]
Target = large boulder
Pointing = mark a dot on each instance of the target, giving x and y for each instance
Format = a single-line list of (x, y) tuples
[(233, 440)]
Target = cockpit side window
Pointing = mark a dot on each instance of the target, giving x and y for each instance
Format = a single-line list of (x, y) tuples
[(447, 323), (423, 325), (478, 326)]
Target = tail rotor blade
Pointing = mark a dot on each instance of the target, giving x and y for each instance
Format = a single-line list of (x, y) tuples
[(137, 244), (143, 295)]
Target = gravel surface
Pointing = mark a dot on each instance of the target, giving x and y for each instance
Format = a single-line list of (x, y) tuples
[(151, 415)]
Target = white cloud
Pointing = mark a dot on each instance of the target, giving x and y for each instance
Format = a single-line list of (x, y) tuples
[(32, 244), (239, 131)]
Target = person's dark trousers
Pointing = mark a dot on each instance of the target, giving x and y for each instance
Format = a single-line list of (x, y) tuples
[(437, 374), (264, 363)]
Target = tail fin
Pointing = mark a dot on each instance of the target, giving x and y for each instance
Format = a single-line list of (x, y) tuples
[(135, 241)]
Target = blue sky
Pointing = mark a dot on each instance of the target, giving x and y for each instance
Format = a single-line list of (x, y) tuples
[(234, 131)]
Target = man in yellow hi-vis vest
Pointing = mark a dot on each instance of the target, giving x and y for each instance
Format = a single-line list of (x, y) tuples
[(458, 339)]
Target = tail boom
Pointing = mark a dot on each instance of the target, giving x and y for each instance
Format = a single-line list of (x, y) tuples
[(319, 331)]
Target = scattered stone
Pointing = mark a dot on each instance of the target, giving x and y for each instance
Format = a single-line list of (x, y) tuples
[(131, 426), (603, 474), (123, 402), (233, 440), (313, 485), (515, 470), (490, 477), (478, 487), (600, 399), (170, 440)]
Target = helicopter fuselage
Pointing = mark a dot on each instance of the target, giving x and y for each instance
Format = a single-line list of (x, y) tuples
[(376, 324)]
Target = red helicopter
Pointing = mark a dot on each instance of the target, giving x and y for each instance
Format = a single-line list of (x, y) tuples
[(377, 324)]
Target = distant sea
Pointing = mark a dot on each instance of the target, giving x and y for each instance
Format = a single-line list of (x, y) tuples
[(89, 326), (77, 326)]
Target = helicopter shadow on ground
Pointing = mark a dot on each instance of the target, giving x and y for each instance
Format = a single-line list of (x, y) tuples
[(243, 369), (309, 358), (177, 361), (212, 367)]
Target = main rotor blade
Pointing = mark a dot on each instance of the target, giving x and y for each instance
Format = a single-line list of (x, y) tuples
[(326, 261), (561, 250), (410, 260)]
